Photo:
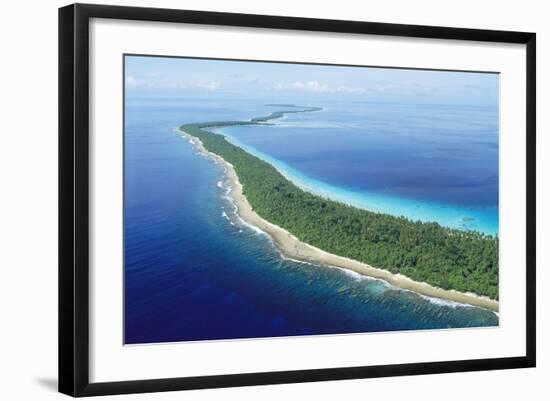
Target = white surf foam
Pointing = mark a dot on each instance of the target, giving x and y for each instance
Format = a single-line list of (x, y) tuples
[(441, 301), (224, 215)]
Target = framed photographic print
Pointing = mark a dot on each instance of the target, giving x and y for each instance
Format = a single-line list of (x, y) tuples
[(249, 199)]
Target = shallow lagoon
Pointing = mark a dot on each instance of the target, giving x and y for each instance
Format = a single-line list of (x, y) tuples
[(426, 162)]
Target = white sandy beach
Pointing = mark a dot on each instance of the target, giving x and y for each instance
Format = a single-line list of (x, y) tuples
[(293, 248)]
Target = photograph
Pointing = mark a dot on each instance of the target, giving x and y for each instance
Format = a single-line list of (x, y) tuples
[(274, 199)]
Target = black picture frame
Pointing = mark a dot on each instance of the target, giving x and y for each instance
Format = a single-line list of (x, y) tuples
[(74, 198)]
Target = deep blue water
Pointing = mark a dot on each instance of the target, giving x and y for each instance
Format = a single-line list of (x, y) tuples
[(194, 272)]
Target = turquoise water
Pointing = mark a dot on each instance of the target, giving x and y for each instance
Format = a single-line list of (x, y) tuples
[(194, 271), (424, 162)]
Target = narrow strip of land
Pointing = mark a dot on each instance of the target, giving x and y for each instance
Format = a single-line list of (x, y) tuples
[(422, 257)]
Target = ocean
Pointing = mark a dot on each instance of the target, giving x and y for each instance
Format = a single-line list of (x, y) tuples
[(425, 162), (194, 271)]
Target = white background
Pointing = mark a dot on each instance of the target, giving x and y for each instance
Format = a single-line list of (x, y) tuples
[(28, 210), (110, 361)]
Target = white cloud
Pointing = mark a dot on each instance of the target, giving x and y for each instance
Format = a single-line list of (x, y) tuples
[(209, 85), (131, 81), (316, 86), (161, 82)]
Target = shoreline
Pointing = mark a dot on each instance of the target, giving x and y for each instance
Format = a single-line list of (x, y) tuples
[(291, 247)]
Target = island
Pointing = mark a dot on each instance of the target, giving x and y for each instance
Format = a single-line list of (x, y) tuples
[(426, 258)]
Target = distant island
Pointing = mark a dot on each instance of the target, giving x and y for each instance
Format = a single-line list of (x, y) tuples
[(423, 257)]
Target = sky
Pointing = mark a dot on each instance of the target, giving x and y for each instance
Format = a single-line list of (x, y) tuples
[(168, 76)]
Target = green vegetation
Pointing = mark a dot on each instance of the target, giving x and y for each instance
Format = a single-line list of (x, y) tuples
[(279, 114), (465, 261)]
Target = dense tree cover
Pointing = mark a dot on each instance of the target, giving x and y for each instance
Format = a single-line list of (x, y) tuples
[(279, 114), (465, 261)]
